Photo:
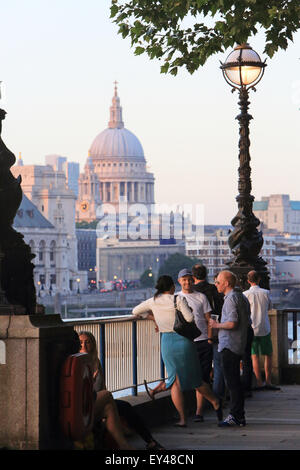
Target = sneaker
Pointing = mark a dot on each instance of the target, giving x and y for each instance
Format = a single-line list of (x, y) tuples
[(230, 421)]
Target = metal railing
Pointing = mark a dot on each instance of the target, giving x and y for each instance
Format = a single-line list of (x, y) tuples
[(128, 349), (290, 335)]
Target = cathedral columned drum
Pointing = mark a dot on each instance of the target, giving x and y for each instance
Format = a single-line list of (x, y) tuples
[(115, 170)]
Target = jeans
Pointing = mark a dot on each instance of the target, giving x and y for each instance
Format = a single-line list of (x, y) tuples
[(218, 382), (231, 370)]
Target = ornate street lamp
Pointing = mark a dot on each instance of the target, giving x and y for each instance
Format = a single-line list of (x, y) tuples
[(242, 70)]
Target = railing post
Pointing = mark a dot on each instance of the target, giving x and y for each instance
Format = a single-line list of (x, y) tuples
[(134, 359), (102, 348), (279, 335)]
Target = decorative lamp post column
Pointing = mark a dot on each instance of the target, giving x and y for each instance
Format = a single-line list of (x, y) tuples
[(242, 70)]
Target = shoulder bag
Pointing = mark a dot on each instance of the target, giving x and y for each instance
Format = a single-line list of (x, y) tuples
[(184, 328)]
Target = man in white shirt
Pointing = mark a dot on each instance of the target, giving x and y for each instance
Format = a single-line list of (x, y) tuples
[(201, 309), (260, 304)]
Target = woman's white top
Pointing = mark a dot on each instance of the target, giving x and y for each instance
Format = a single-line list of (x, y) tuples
[(163, 310)]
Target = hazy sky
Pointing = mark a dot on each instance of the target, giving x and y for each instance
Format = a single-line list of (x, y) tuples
[(59, 59)]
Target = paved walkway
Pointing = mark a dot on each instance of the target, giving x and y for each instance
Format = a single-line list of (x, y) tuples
[(273, 423)]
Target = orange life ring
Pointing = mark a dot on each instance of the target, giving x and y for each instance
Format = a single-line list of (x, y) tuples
[(76, 397)]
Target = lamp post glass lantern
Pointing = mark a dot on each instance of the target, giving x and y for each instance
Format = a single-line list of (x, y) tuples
[(243, 70)]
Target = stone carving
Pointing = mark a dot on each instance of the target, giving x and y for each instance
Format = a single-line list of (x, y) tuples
[(17, 294)]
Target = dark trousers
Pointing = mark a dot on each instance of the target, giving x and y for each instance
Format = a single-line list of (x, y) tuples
[(205, 355), (247, 362), (231, 370)]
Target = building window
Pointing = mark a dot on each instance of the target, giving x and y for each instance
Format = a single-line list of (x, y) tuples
[(41, 250), (52, 251)]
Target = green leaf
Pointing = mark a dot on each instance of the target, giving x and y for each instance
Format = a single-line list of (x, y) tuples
[(113, 10), (139, 50), (164, 68)]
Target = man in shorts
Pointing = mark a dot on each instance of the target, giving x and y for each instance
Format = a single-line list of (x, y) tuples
[(260, 304)]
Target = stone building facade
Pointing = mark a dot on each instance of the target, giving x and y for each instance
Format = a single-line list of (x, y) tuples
[(279, 213), (50, 196)]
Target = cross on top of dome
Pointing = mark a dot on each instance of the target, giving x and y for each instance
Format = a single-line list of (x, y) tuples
[(116, 90), (115, 120)]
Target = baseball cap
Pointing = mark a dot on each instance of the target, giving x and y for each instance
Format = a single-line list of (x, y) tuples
[(184, 272)]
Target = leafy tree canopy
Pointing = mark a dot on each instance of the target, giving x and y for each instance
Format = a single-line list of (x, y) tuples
[(185, 33), (85, 224), (174, 263)]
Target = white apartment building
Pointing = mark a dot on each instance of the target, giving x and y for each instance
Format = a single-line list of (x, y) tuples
[(214, 251)]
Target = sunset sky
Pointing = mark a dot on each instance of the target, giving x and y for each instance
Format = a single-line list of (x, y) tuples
[(58, 62)]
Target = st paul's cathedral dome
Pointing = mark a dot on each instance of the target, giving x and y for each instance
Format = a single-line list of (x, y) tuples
[(115, 169)]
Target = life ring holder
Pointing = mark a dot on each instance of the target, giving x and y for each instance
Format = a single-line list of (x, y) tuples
[(76, 397)]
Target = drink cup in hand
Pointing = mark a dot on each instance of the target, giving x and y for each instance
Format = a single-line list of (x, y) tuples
[(215, 318)]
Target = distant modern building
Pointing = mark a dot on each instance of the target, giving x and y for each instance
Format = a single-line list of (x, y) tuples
[(71, 170), (127, 259), (214, 251), (86, 249), (278, 212)]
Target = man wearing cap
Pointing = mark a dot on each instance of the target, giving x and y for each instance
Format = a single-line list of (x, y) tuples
[(201, 308)]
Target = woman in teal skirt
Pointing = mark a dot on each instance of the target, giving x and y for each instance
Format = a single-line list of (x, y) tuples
[(179, 353)]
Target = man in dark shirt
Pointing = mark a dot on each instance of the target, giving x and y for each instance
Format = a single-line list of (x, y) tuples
[(215, 299)]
